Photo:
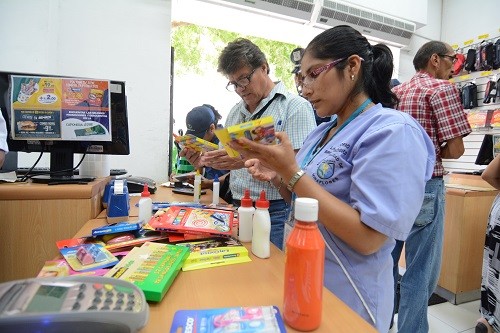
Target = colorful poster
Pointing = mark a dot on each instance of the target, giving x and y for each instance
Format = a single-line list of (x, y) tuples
[(60, 108)]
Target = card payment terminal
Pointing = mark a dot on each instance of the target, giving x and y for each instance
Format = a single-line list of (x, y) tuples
[(74, 304)]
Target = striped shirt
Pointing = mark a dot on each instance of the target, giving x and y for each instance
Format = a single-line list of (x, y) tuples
[(292, 114), (436, 105)]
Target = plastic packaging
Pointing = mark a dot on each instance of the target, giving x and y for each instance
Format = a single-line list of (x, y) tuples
[(304, 266), (261, 233), (245, 216), (215, 191), (145, 205), (197, 187)]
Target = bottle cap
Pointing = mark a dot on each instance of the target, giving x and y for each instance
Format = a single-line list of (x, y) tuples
[(145, 191), (262, 202), (246, 201), (306, 209)]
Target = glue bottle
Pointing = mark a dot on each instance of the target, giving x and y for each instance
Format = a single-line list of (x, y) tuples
[(304, 266), (261, 233), (245, 216), (145, 205), (215, 191), (197, 187)]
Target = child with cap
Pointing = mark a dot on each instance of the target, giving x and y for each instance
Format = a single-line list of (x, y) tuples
[(202, 121)]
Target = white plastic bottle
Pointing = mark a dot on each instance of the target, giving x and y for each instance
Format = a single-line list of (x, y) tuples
[(261, 237), (197, 187), (245, 216), (215, 190), (145, 205)]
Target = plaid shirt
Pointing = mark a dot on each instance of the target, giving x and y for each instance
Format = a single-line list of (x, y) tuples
[(436, 105), (292, 114)]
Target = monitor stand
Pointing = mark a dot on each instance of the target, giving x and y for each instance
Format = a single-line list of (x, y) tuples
[(61, 169), (58, 180)]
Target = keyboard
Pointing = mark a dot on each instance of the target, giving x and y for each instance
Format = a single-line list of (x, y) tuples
[(46, 171)]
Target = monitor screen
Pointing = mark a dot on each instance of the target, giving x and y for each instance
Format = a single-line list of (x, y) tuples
[(90, 117)]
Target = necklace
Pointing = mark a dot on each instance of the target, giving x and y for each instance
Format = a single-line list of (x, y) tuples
[(323, 141)]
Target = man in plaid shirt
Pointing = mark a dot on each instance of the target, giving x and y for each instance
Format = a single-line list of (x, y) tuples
[(435, 103)]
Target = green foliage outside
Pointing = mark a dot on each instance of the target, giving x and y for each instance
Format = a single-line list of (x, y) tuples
[(197, 49)]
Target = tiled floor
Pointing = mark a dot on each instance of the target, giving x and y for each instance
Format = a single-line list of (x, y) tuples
[(449, 318)]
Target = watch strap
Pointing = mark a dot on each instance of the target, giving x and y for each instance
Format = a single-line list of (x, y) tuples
[(295, 178)]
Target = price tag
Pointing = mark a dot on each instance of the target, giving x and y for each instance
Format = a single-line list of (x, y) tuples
[(455, 46), (486, 73), (485, 36), (468, 42)]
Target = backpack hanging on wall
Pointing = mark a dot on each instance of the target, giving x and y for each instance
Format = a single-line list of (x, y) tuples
[(459, 64), (486, 56), (469, 95), (470, 60), (490, 93), (496, 54)]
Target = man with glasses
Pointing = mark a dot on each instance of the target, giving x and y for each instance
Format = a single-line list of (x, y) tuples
[(247, 70), (435, 103)]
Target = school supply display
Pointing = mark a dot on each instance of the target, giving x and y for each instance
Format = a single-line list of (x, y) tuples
[(116, 242), (152, 267), (60, 267), (87, 257), (251, 319), (117, 228), (195, 143), (259, 130), (205, 221), (213, 252), (91, 303)]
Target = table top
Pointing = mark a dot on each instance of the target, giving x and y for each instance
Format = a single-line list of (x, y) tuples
[(39, 191), (259, 282)]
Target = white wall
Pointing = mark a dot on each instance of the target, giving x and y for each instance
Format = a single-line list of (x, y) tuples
[(125, 40)]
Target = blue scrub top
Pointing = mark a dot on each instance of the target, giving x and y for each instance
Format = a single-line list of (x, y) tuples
[(379, 164)]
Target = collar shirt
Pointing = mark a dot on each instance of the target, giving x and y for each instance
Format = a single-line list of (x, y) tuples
[(292, 114), (378, 164), (436, 105)]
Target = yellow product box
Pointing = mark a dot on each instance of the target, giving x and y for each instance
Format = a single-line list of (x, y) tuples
[(258, 130), (195, 143)]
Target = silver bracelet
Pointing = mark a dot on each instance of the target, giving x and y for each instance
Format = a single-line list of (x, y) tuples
[(295, 178), (278, 188)]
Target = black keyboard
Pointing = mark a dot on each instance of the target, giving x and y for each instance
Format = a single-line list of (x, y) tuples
[(46, 171)]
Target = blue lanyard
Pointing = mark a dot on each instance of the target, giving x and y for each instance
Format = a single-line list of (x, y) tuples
[(311, 154)]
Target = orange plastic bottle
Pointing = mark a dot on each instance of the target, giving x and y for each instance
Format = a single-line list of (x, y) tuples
[(304, 266)]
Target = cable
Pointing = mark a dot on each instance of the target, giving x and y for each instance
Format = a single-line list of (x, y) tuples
[(27, 174), (350, 281)]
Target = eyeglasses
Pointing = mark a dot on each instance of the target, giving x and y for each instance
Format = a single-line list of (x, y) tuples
[(242, 83), (453, 58), (307, 80)]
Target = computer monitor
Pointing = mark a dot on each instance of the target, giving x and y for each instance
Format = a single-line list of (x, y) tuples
[(105, 112)]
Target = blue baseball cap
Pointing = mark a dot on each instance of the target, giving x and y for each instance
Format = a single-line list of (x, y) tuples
[(198, 120)]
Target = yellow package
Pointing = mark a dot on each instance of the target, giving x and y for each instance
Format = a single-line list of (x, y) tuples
[(258, 130)]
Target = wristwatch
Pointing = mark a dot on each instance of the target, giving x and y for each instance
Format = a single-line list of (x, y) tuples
[(295, 178)]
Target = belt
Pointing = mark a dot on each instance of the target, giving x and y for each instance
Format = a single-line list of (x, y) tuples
[(238, 202), (437, 177)]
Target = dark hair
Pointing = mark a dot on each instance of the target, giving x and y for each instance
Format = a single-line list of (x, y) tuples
[(426, 51), (217, 115), (343, 41), (240, 53)]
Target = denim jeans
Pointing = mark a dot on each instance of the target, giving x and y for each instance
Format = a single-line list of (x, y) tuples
[(278, 212), (423, 250)]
